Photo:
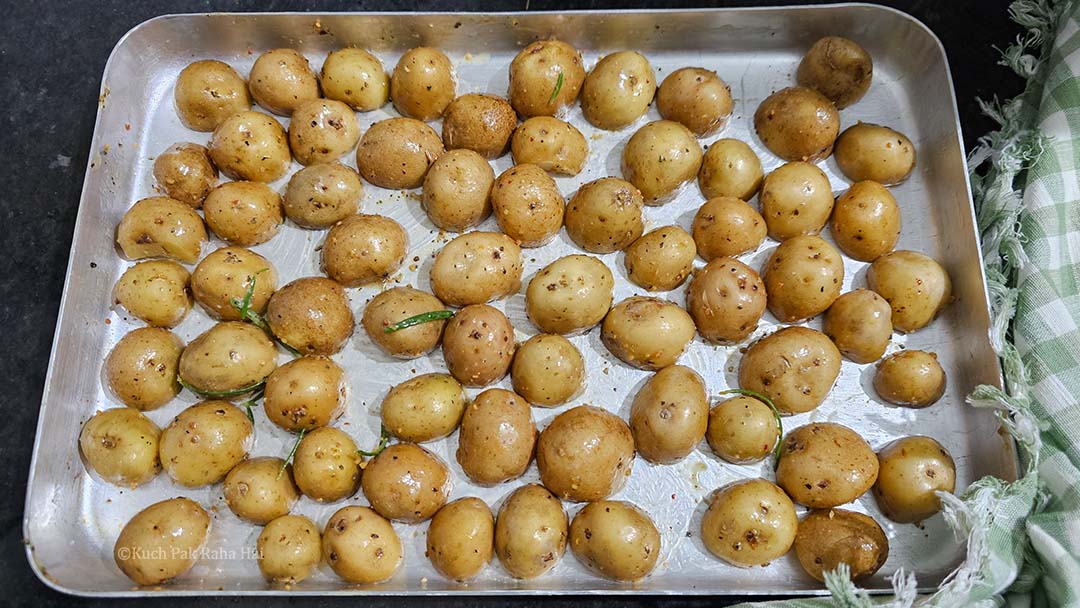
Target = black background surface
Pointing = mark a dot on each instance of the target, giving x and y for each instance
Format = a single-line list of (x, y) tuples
[(52, 55)]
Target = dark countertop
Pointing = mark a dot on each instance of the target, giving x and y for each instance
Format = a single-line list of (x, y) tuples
[(52, 56)]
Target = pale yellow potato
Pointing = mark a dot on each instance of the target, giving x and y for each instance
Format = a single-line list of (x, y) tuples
[(243, 213), (497, 437), (803, 277), (457, 190), (618, 90), (726, 299), (585, 454), (530, 532), (730, 168), (659, 158), (796, 199), (825, 465), (162, 541), (224, 277), (697, 98), (424, 408), (229, 357), (915, 286), (867, 151), (289, 549), (647, 333), (207, 92), (478, 345), (423, 83), (395, 305), (911, 378), (461, 538), (141, 369), (257, 490), (860, 324), (912, 470), (396, 153), (548, 370), (361, 546), (157, 292), (604, 215), (326, 467), (866, 221), (406, 483), (536, 73), (797, 123), (669, 415), (528, 205), (311, 315), (615, 539), (570, 295), (830, 537), (837, 68), (204, 442), (742, 430), (322, 131), (364, 249), (477, 267), (120, 445), (551, 144), (186, 174), (479, 122), (727, 227), (281, 80), (355, 77), (305, 393), (161, 227), (251, 146), (661, 259), (749, 523), (322, 195), (795, 367)]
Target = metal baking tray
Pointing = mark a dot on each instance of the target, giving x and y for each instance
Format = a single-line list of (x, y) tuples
[(72, 520)]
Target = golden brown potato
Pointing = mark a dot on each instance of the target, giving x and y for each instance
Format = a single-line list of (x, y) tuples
[(396, 153), (727, 227), (551, 144), (281, 80), (528, 205), (224, 277), (742, 429), (548, 370), (530, 532), (797, 123), (912, 470), (866, 221), (570, 295), (204, 442), (461, 538), (730, 168), (803, 277), (585, 454), (321, 195), (497, 437), (618, 90), (289, 549), (860, 324), (423, 84), (363, 249), (155, 291), (795, 367), (361, 546), (311, 315), (121, 446), (824, 465), (697, 98), (478, 345), (186, 174), (207, 92), (659, 158), (252, 146), (406, 483), (604, 215), (726, 299), (161, 227), (749, 523), (397, 304), (326, 466), (141, 369), (544, 77), (866, 151), (647, 333), (355, 77), (162, 541), (669, 415), (478, 122), (914, 285), (830, 537), (322, 131), (305, 393), (837, 68), (615, 539), (257, 490), (796, 199), (243, 213), (231, 357), (662, 259), (423, 408), (912, 378), (457, 190), (477, 267)]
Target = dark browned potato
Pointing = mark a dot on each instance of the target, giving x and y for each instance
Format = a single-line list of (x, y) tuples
[(305, 393), (797, 124), (915, 286), (824, 465), (911, 378), (311, 315), (726, 299), (659, 158), (544, 77), (795, 367), (647, 333), (530, 532), (604, 215), (481, 123), (662, 259), (697, 98), (528, 205), (356, 77), (860, 324), (477, 267), (396, 153), (156, 292), (207, 92), (830, 537), (727, 227), (497, 437), (803, 277), (478, 345), (141, 369), (457, 190), (749, 523), (363, 249), (551, 144), (322, 131), (570, 295), (585, 454), (185, 172), (913, 470), (669, 415), (796, 199), (423, 83), (618, 90), (398, 304), (742, 429), (243, 213), (161, 227), (406, 483), (252, 146), (461, 538), (866, 221), (837, 68), (730, 168), (224, 277), (281, 80), (866, 151), (615, 539), (321, 195)]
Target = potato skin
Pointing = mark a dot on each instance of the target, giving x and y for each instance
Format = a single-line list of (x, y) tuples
[(361, 546), (912, 469), (914, 285), (530, 532), (141, 369), (824, 465), (867, 151), (860, 324), (796, 199), (204, 442), (742, 429), (312, 315), (477, 267), (669, 415), (547, 370), (397, 304), (528, 205), (162, 541), (697, 98), (481, 123), (911, 378), (289, 549), (478, 345), (396, 153), (250, 146), (647, 333), (749, 523), (570, 295), (161, 227), (585, 454), (497, 437), (795, 367), (281, 80), (534, 77), (866, 221), (326, 466), (322, 131), (207, 92), (838, 68), (615, 539), (305, 393), (803, 277), (156, 292), (830, 537), (659, 158), (457, 190), (120, 445), (661, 259), (364, 249), (225, 275), (424, 407), (243, 213), (618, 90), (406, 483), (423, 84), (551, 144), (730, 168), (727, 227), (227, 357), (257, 491), (461, 538), (726, 299), (355, 77), (185, 172), (321, 195), (604, 215), (797, 123)]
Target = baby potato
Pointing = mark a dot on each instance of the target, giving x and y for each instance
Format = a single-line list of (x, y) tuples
[(497, 437), (162, 541), (795, 367), (396, 153), (243, 213), (355, 77), (423, 84), (727, 227), (551, 144), (282, 80), (305, 393), (250, 146), (749, 523), (824, 465), (461, 538), (866, 221), (289, 549), (528, 205), (530, 532), (326, 466), (322, 131), (697, 98), (481, 123), (311, 315), (257, 491), (475, 268), (397, 304), (156, 292), (669, 415), (913, 469), (742, 430), (322, 195), (585, 454), (618, 90), (363, 249), (912, 378), (141, 369), (604, 215), (548, 370), (544, 77), (457, 190), (224, 277), (161, 227), (837, 68), (660, 157), (866, 151), (186, 174), (478, 345), (615, 539), (730, 168), (228, 358), (726, 299), (803, 277), (797, 123), (424, 408), (860, 324), (662, 259), (406, 483), (204, 442), (796, 199), (121, 446), (914, 285), (207, 92), (570, 295), (361, 546), (647, 333), (830, 537)]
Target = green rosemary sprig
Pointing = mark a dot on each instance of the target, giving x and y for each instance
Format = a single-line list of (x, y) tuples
[(253, 317), (384, 440), (558, 87), (424, 317), (292, 453), (236, 392)]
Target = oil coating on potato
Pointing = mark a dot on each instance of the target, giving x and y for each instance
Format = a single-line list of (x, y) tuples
[(207, 92), (615, 539), (305, 393), (243, 213), (604, 215), (322, 131), (803, 277), (361, 546), (585, 454), (726, 299), (162, 541), (228, 357), (141, 369), (730, 168), (697, 98), (457, 190), (281, 80), (186, 174), (155, 291), (548, 370), (795, 367), (796, 199), (866, 151), (659, 158), (911, 378), (461, 538), (914, 285), (528, 205), (530, 532), (396, 153), (742, 429), (824, 465), (257, 490), (161, 227), (497, 437), (860, 324), (830, 537), (570, 295), (749, 523), (618, 90), (326, 466), (866, 221), (551, 144), (355, 77), (406, 483), (121, 446), (797, 124), (363, 249), (647, 333), (669, 415), (478, 345), (289, 549), (838, 68), (423, 408), (204, 442), (662, 259), (481, 123), (252, 146), (224, 277), (397, 304), (544, 77), (912, 470), (475, 268), (311, 315), (423, 83), (727, 227), (321, 195)]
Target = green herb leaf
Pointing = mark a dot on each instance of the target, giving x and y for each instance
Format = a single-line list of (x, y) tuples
[(253, 317), (384, 440), (776, 415), (424, 317), (250, 403), (292, 453), (558, 87), (236, 392)]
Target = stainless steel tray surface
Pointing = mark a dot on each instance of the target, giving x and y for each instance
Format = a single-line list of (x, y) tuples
[(72, 520)]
